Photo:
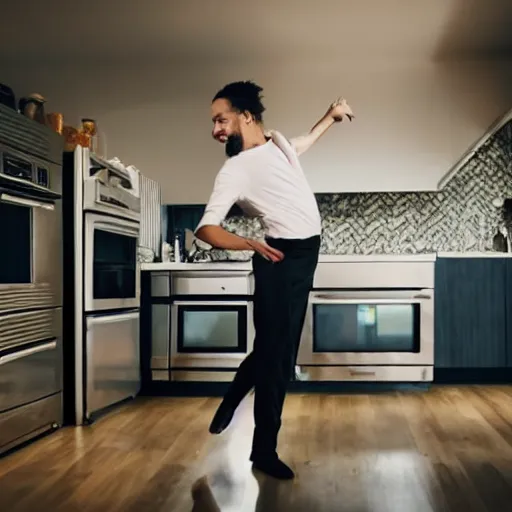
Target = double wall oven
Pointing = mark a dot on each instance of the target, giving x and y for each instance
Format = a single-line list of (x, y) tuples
[(106, 291), (30, 292), (370, 320)]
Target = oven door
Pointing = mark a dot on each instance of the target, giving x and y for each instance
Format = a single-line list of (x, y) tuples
[(368, 328), (31, 238), (210, 334), (112, 274)]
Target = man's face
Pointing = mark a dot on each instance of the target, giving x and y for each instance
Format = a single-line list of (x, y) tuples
[(227, 126)]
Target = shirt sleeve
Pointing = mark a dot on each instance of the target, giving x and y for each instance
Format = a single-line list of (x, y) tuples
[(227, 190)]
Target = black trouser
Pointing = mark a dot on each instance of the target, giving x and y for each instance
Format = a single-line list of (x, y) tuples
[(280, 303)]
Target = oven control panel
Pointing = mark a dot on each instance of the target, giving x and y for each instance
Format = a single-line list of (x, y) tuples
[(24, 169)]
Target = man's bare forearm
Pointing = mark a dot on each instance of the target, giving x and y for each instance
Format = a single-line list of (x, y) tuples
[(218, 237), (304, 142)]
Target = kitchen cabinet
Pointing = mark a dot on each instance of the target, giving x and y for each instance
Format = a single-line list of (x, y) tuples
[(473, 313)]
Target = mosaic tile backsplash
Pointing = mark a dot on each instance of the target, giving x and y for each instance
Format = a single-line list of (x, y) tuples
[(464, 216)]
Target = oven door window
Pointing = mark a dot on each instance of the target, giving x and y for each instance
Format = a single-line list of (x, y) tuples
[(212, 328), (16, 246), (114, 265), (366, 328)]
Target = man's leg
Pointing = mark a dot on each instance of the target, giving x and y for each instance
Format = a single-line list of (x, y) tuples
[(244, 379), (238, 389), (272, 347), (285, 301)]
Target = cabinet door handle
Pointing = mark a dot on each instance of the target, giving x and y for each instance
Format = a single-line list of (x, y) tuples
[(356, 373)]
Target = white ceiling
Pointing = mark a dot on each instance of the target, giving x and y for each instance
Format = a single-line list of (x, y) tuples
[(207, 30)]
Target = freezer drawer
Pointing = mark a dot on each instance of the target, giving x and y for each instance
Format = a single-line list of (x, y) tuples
[(23, 423), (112, 359), (30, 374)]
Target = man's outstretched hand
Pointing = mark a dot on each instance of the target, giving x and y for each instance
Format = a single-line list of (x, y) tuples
[(339, 109)]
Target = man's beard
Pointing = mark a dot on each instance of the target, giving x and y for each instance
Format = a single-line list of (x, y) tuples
[(234, 145)]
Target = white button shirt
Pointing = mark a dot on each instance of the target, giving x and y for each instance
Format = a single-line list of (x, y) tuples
[(266, 182)]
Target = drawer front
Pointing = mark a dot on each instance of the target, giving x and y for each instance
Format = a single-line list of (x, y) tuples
[(375, 275), (227, 285), (20, 424), (160, 284), (367, 373), (30, 374)]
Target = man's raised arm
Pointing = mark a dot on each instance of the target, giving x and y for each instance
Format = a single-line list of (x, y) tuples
[(335, 114)]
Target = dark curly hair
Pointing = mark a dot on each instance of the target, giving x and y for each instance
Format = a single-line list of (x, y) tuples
[(244, 96)]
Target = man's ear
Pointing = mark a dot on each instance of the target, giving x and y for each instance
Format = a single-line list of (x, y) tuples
[(248, 118)]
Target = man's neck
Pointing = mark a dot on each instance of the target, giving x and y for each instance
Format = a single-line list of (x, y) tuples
[(258, 139)]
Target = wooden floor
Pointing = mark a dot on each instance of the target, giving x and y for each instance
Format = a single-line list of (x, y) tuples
[(442, 450)]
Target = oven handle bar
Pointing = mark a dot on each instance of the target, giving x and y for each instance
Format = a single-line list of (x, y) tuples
[(27, 352), (117, 228), (23, 201), (209, 303), (109, 319), (365, 301)]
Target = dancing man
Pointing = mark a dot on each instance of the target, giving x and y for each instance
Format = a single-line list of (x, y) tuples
[(264, 177)]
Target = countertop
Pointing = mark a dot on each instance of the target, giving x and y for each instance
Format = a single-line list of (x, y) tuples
[(474, 254), (324, 258), (209, 265)]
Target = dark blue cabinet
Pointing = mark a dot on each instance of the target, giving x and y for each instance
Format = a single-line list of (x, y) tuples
[(473, 313)]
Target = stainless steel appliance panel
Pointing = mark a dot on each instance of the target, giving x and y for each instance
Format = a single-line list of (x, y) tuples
[(160, 336), (34, 138), (150, 219), (212, 283), (368, 373), (113, 360), (375, 274), (23, 423), (160, 284), (30, 374), (20, 329)]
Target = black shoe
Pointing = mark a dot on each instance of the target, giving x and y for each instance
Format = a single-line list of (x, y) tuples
[(273, 467), (222, 418)]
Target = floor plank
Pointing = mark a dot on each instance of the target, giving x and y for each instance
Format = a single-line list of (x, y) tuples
[(448, 449)]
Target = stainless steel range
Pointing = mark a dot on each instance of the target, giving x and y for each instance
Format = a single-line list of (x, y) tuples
[(30, 282), (370, 318)]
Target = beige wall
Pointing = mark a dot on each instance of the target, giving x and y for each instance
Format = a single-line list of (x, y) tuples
[(414, 119)]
